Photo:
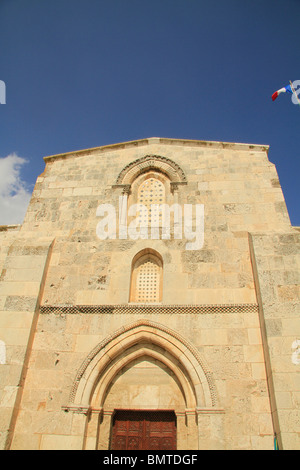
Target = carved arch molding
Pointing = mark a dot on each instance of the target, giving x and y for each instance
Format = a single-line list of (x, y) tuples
[(165, 165), (142, 337)]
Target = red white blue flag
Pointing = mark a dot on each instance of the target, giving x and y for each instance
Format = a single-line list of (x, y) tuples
[(286, 89)]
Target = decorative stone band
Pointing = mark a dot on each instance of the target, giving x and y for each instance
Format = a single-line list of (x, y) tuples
[(150, 162), (147, 309)]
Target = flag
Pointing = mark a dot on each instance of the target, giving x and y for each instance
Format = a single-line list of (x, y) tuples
[(282, 90)]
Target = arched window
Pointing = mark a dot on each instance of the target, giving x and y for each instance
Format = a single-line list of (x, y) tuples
[(152, 179), (146, 277), (150, 193)]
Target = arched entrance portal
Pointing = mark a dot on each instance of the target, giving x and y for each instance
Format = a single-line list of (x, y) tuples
[(143, 398), (143, 367)]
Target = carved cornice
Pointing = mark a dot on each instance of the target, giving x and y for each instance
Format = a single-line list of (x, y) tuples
[(159, 141)]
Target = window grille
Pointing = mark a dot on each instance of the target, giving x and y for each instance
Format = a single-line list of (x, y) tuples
[(151, 192), (146, 277), (147, 282)]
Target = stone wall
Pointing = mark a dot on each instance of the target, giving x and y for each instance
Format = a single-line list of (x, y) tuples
[(276, 260), (229, 343), (21, 287), (239, 190), (65, 303)]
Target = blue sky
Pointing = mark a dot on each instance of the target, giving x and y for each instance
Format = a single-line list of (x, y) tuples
[(86, 73)]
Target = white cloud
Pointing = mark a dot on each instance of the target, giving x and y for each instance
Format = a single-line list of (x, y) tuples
[(14, 192)]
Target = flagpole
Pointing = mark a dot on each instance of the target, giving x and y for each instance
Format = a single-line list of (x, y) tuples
[(294, 92)]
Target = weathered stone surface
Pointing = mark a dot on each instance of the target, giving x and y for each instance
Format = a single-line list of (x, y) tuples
[(229, 370)]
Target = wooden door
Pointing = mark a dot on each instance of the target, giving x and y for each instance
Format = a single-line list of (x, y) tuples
[(144, 430)]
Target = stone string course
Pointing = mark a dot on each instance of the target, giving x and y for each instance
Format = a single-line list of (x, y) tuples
[(147, 309)]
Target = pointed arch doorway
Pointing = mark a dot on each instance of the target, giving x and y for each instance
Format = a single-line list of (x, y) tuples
[(141, 403), (148, 368)]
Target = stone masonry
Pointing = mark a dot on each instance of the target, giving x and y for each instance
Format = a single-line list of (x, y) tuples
[(221, 346)]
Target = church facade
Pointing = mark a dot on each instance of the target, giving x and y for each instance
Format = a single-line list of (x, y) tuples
[(150, 300)]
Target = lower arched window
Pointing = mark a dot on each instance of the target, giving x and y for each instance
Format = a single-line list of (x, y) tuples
[(146, 277)]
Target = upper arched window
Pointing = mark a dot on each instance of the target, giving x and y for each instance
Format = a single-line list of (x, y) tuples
[(150, 195), (150, 204), (146, 277)]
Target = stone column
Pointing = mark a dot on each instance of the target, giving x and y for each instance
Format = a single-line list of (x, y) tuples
[(181, 430), (192, 429), (92, 432), (104, 430)]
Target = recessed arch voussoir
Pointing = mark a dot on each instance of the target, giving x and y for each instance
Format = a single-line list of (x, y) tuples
[(131, 355), (151, 162), (103, 361)]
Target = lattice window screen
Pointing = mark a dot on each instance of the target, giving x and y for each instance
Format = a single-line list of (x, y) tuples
[(147, 282), (151, 191)]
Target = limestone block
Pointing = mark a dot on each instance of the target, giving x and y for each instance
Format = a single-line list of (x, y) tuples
[(19, 288), (15, 336), (258, 370), (60, 442), (253, 353), (262, 442)]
